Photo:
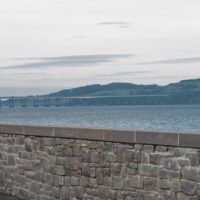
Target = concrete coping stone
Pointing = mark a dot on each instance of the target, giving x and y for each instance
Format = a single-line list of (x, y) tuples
[(190, 140)]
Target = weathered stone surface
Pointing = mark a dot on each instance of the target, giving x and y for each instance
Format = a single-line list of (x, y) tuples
[(76, 150), (94, 157), (150, 184), (184, 162), (148, 148), (99, 176), (181, 196), (57, 170), (193, 157), (191, 173), (118, 183), (171, 164), (64, 193), (74, 181), (134, 181), (148, 170), (115, 169), (11, 160), (188, 187), (110, 157), (107, 193), (164, 184), (84, 181), (8, 197), (175, 185), (161, 149), (44, 168), (163, 173), (155, 159)]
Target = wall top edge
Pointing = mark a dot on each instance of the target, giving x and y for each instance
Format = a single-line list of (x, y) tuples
[(130, 136)]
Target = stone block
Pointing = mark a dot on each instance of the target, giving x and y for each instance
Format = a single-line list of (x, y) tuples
[(74, 163), (175, 185), (86, 155), (106, 171), (170, 164), (64, 193), (76, 150), (59, 150), (94, 157), (177, 151), (110, 157), (107, 193), (148, 170), (11, 160), (148, 148), (25, 155), (108, 181), (183, 162), (92, 172), (115, 169), (84, 181), (151, 184), (34, 187), (79, 191), (74, 181), (164, 184), (144, 158), (85, 169), (99, 176), (56, 192), (181, 196), (191, 173), (135, 181), (161, 149), (163, 173), (194, 158), (174, 174), (118, 183), (155, 159), (28, 145), (28, 165), (92, 182), (188, 187), (131, 171), (57, 170), (67, 151)]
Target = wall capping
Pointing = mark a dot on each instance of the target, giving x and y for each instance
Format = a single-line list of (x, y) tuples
[(190, 140)]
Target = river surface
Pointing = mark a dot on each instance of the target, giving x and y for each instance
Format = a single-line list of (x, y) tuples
[(179, 118)]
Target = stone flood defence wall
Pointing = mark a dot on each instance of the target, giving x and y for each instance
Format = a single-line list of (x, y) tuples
[(55, 163)]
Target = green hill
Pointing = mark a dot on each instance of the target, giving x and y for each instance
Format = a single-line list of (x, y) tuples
[(183, 92), (128, 89)]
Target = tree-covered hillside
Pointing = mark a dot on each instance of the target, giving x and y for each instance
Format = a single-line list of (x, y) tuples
[(128, 89)]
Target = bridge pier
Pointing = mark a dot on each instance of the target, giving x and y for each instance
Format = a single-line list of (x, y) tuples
[(35, 102), (11, 103), (23, 102), (46, 102)]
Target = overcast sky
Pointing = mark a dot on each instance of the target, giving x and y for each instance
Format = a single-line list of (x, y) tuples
[(47, 45)]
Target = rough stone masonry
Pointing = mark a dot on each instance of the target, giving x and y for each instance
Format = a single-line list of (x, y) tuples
[(38, 167)]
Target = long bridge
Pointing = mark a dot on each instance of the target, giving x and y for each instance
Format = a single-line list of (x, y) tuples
[(43, 101)]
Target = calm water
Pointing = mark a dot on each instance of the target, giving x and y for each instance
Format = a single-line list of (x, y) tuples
[(169, 118)]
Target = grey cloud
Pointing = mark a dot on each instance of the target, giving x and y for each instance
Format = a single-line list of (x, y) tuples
[(67, 61), (29, 74), (118, 74), (191, 60), (115, 23)]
